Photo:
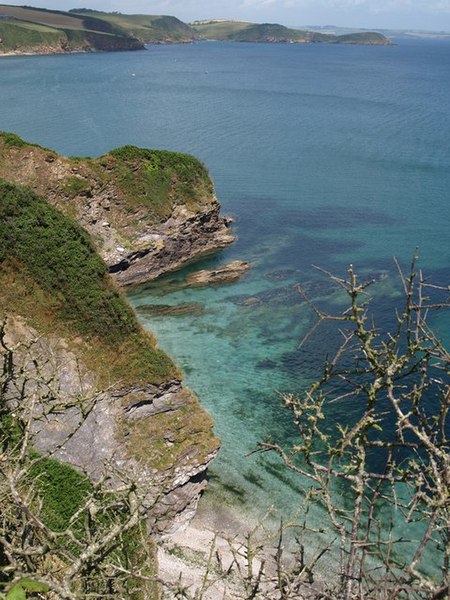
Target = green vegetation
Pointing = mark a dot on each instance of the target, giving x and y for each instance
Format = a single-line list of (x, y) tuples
[(189, 430), (73, 186), (268, 32), (146, 184), (42, 16), (146, 28), (15, 35), (368, 37), (159, 179), (238, 31), (52, 272), (13, 140), (60, 256), (62, 489), (27, 29), (219, 30)]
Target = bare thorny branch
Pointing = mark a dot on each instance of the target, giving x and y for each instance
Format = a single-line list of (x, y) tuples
[(86, 558), (399, 385), (390, 466)]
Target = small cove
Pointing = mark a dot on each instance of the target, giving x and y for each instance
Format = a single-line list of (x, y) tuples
[(323, 155)]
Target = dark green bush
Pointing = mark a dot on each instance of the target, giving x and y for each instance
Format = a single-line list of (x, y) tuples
[(62, 489), (60, 256), (159, 179)]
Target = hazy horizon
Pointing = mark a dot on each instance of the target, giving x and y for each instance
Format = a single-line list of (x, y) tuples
[(431, 15)]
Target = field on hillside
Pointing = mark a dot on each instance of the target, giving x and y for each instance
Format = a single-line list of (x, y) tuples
[(33, 30), (220, 30), (26, 36), (59, 20), (146, 28)]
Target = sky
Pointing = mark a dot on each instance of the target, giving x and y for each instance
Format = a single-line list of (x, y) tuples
[(390, 14)]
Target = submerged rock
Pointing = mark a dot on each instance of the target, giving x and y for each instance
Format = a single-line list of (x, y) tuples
[(251, 301), (379, 275), (179, 310), (281, 275), (288, 295), (266, 363), (226, 274)]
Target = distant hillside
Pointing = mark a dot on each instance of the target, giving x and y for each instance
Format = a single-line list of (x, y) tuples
[(368, 37), (147, 29), (238, 31), (390, 33), (25, 29), (41, 31)]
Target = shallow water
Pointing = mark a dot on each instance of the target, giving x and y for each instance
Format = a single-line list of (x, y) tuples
[(324, 155)]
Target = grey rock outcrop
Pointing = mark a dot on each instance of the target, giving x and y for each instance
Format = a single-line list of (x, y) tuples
[(96, 431), (137, 245), (184, 237), (157, 433)]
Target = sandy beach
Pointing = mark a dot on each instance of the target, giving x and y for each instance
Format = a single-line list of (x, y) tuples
[(204, 555)]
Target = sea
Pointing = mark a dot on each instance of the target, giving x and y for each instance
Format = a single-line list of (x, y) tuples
[(324, 156)]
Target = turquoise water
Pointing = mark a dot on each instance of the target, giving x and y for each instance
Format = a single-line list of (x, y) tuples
[(324, 155)]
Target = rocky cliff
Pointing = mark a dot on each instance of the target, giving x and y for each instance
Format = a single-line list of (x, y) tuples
[(109, 400), (155, 433), (148, 211)]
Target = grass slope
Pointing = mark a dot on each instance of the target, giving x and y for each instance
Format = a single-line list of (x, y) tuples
[(158, 179), (268, 32), (85, 28), (17, 34), (146, 28), (51, 273), (219, 30), (366, 37), (144, 186)]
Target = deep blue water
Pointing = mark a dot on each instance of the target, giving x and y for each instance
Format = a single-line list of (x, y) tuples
[(324, 155)]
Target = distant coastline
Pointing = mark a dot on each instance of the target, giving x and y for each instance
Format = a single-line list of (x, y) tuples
[(28, 31), (241, 31)]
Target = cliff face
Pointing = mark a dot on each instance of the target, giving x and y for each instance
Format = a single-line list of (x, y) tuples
[(108, 400), (184, 237), (157, 434), (149, 211)]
